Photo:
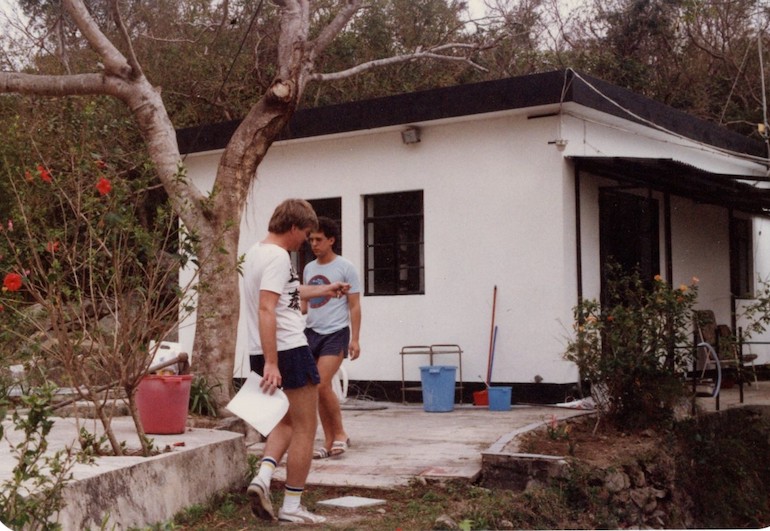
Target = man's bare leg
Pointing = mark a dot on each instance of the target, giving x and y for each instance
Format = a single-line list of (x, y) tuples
[(303, 413), (328, 403), (259, 489)]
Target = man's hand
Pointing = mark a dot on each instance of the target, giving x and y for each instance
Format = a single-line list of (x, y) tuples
[(271, 379), (354, 350), (335, 289), (338, 289)]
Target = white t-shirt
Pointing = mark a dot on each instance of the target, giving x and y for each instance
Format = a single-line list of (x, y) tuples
[(326, 315), (268, 267)]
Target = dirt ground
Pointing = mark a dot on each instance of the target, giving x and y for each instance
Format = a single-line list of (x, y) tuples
[(595, 443)]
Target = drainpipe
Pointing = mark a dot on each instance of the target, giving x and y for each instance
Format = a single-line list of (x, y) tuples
[(578, 245), (667, 237)]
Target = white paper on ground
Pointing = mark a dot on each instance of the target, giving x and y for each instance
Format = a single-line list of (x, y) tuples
[(253, 405)]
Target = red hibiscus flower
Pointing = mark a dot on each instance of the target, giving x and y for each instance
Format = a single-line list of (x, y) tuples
[(104, 186), (12, 282), (44, 175)]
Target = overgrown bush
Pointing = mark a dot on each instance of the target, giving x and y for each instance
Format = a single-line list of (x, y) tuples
[(89, 275), (34, 491), (757, 314), (724, 465), (630, 349)]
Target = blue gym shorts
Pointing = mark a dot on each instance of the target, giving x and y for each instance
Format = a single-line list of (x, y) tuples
[(297, 367), (328, 344)]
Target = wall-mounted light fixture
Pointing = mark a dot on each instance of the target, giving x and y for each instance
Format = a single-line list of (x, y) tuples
[(410, 135)]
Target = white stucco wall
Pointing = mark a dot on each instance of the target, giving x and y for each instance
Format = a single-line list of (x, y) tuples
[(494, 216), (499, 211)]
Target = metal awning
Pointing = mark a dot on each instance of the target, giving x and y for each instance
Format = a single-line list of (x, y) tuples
[(747, 193)]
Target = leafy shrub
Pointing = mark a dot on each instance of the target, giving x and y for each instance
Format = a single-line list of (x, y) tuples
[(89, 275), (202, 400), (34, 491), (724, 466), (631, 349)]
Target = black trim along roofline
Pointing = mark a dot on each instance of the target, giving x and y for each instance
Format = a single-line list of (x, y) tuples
[(478, 98)]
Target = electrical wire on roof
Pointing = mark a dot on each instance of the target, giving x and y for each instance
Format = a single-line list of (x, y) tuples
[(564, 89), (763, 130), (744, 156), (735, 84)]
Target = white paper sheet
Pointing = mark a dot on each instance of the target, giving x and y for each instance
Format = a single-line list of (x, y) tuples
[(259, 409)]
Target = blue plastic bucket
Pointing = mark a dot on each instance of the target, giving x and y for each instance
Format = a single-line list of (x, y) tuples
[(438, 388), (499, 398)]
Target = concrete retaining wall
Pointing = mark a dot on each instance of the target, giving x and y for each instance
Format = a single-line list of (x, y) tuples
[(154, 489)]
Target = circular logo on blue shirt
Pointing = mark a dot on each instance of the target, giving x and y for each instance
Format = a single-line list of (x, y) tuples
[(318, 280)]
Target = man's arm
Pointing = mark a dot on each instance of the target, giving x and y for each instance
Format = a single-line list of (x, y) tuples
[(268, 301), (335, 289), (354, 305)]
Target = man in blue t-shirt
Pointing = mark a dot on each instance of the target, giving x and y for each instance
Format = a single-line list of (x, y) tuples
[(333, 325)]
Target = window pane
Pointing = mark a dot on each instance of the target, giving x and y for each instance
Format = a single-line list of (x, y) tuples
[(741, 266), (393, 229), (330, 208)]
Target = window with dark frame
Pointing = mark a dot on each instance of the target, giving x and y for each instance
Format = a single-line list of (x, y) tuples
[(741, 263), (394, 259), (330, 208)]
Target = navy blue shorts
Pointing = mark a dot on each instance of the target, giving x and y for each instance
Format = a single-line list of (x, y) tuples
[(297, 367), (328, 344)]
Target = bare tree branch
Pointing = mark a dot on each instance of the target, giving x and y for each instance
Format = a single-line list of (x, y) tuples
[(132, 59), (57, 85), (114, 61), (335, 27), (61, 49), (419, 54)]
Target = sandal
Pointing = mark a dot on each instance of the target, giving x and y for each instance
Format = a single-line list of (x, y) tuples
[(339, 448), (320, 453)]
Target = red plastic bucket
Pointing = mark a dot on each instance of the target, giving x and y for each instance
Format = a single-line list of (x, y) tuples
[(481, 398), (162, 401)]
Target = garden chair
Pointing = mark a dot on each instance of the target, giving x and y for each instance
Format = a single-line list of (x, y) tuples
[(707, 363)]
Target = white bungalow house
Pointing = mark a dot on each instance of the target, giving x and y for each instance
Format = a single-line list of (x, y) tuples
[(513, 192)]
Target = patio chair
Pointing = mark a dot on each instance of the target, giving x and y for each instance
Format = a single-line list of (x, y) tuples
[(731, 352), (707, 363)]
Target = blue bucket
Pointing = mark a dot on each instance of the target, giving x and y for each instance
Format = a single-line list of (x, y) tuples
[(438, 388), (499, 398)]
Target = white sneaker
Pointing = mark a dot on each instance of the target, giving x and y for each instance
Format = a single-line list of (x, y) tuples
[(261, 505), (300, 516)]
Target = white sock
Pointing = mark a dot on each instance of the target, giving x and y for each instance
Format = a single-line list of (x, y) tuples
[(291, 498), (266, 469)]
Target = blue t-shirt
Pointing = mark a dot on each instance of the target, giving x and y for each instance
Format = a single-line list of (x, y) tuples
[(326, 315)]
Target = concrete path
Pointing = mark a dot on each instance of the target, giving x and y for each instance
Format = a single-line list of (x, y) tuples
[(392, 443)]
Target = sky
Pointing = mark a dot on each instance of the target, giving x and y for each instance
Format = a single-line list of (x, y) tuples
[(476, 8)]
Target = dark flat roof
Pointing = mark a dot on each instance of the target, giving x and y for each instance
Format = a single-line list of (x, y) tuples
[(478, 98)]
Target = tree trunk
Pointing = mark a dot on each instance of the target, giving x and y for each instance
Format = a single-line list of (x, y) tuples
[(218, 307), (216, 325)]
